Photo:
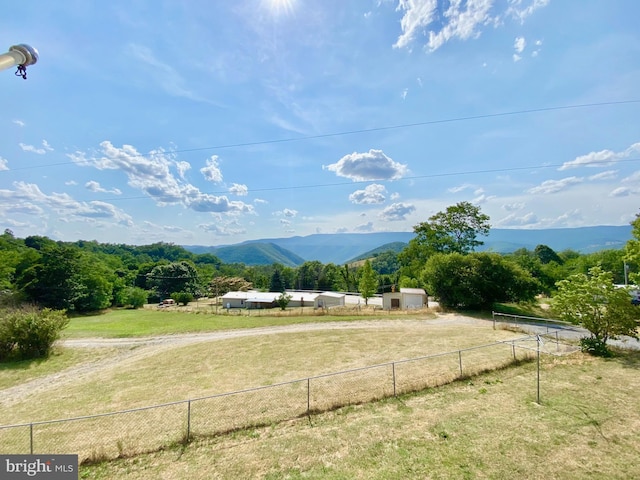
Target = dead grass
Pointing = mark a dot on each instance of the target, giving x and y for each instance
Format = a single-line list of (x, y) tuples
[(175, 374), (486, 427)]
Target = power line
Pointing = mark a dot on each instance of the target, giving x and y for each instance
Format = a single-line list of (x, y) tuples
[(364, 130), (360, 182)]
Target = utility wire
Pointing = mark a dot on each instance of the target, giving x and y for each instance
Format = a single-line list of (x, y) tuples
[(364, 130), (337, 184)]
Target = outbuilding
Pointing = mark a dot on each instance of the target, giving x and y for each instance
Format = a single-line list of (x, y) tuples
[(406, 298), (329, 299)]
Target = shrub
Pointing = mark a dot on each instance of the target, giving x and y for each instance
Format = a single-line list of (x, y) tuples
[(30, 333), (594, 346), (182, 298)]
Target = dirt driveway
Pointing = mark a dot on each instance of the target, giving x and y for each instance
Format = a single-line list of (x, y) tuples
[(129, 350)]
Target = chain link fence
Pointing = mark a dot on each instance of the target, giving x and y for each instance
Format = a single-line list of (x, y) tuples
[(131, 432)]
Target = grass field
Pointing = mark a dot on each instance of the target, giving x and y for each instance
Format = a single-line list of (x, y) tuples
[(483, 427), (124, 323), (487, 427)]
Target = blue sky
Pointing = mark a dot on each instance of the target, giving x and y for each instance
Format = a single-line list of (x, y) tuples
[(214, 122)]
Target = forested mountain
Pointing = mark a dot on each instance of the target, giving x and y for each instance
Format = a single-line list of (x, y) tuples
[(341, 248), (252, 254)]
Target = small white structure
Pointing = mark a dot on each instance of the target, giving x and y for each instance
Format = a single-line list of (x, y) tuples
[(329, 299), (406, 298)]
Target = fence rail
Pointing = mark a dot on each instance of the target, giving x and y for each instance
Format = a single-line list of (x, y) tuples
[(129, 432)]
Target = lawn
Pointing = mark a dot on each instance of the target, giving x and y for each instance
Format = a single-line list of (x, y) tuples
[(487, 427), (123, 323)]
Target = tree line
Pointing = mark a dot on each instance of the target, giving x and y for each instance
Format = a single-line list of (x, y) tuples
[(88, 276)]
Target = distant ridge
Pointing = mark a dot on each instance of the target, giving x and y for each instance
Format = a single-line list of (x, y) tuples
[(340, 248), (252, 254)]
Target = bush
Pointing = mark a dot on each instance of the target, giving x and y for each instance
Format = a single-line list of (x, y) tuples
[(30, 333), (182, 298), (594, 346)]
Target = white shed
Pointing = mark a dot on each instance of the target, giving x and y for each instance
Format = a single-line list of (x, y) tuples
[(329, 299), (406, 298)]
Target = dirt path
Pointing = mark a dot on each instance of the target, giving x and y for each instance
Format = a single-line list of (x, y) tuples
[(129, 350)]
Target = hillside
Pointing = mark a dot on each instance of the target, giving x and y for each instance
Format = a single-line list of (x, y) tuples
[(396, 247), (340, 248), (252, 254)]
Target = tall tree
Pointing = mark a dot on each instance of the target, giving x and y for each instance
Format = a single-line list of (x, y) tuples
[(368, 284), (454, 230), (174, 277)]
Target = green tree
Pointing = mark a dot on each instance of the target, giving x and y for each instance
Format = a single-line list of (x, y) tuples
[(53, 280), (173, 277), (546, 254), (453, 231), (593, 301), (182, 298), (368, 284), (477, 280), (222, 284), (632, 250), (283, 300), (277, 283)]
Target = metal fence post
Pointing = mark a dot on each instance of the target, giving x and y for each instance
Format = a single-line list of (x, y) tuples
[(188, 421), (393, 369), (513, 347), (308, 397), (460, 360)]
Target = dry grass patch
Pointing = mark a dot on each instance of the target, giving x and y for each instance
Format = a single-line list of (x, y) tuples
[(485, 427)]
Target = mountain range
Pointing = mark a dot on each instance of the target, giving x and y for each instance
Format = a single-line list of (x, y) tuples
[(340, 248)]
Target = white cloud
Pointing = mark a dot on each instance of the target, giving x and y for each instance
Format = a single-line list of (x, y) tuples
[(519, 44), (513, 220), (34, 201), (602, 158), (288, 212), (608, 175), (71, 182), (152, 173), (460, 20), (511, 207), (96, 187), (183, 167), (622, 192), (521, 12), (459, 188), (555, 186), (4, 164), (212, 171), (239, 190), (20, 123), (32, 149), (372, 194), (364, 228), (516, 57), (397, 212), (372, 165), (222, 229), (418, 14), (404, 93), (46, 146)]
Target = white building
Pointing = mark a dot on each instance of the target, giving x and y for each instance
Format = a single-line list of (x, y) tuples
[(406, 298), (329, 299)]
